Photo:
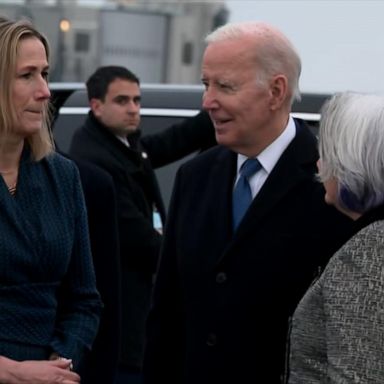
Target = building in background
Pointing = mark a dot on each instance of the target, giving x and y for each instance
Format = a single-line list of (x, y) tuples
[(162, 42)]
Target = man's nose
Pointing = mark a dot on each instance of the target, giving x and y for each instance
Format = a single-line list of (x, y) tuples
[(209, 99), (133, 107)]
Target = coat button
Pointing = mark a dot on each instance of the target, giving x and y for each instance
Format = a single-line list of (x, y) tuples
[(211, 340), (221, 277)]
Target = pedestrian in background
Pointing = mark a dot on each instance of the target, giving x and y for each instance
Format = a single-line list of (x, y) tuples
[(111, 139)]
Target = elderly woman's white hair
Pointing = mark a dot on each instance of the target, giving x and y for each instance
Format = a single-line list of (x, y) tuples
[(351, 146)]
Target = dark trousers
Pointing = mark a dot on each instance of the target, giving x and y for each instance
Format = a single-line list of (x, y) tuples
[(128, 376)]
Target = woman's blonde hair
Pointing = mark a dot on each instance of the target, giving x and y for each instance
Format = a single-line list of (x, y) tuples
[(11, 33)]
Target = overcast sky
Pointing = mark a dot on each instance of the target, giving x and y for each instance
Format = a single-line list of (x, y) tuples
[(340, 41)]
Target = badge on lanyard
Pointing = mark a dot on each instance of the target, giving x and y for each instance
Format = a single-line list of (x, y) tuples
[(157, 223)]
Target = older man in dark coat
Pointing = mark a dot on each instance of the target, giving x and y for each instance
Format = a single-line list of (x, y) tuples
[(231, 275)]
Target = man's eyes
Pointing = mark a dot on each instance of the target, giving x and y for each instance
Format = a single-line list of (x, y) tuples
[(226, 86), (126, 100)]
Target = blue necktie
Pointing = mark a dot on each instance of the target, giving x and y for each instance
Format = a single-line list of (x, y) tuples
[(242, 194)]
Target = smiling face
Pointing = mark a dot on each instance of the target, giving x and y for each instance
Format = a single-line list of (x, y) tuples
[(29, 87), (239, 106), (120, 109)]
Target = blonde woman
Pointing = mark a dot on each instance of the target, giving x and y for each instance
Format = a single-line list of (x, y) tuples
[(49, 306)]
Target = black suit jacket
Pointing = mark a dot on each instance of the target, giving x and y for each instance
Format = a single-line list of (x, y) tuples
[(100, 365), (137, 193), (222, 300)]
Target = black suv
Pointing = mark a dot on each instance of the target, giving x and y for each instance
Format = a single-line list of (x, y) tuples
[(162, 105)]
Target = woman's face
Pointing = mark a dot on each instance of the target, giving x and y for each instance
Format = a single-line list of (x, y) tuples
[(30, 92), (331, 192), (332, 196)]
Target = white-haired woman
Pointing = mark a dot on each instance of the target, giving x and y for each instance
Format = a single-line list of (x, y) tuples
[(337, 333)]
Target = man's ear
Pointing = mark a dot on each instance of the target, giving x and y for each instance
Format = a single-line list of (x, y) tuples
[(95, 105), (279, 91)]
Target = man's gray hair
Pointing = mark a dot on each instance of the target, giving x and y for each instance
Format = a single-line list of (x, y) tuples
[(274, 53)]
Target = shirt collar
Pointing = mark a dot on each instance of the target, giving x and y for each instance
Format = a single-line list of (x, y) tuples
[(271, 154), (124, 140)]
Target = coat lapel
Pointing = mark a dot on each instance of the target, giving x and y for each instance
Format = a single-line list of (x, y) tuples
[(296, 164), (214, 191), (133, 161), (17, 213), (126, 156), (224, 173)]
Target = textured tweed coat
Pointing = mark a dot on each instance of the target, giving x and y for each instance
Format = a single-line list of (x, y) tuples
[(48, 299), (337, 332)]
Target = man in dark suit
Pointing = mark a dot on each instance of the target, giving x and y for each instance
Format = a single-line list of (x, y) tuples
[(228, 281), (110, 138), (100, 364)]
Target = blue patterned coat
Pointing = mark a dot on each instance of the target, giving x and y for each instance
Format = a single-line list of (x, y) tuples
[(48, 299)]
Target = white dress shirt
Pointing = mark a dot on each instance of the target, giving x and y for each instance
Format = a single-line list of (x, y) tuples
[(268, 157)]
